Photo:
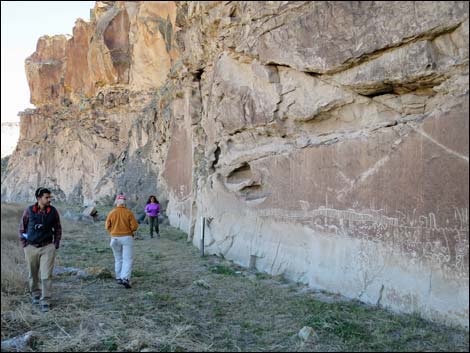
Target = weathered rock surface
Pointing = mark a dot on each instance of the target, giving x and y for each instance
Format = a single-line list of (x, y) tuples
[(325, 141), (45, 70), (329, 36)]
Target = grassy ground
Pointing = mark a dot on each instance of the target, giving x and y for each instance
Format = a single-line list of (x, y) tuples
[(182, 302)]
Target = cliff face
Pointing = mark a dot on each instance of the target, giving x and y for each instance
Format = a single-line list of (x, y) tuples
[(326, 141), (97, 95)]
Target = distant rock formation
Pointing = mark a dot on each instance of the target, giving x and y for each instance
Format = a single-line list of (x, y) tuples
[(326, 141)]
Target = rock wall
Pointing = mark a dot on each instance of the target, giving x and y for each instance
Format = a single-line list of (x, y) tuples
[(326, 141)]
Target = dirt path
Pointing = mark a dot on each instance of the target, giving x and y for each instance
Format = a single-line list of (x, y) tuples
[(182, 302)]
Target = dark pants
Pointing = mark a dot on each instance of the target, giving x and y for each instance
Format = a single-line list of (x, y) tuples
[(154, 223)]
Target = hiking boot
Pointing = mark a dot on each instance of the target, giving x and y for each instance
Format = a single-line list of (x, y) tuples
[(126, 283), (158, 235), (44, 308), (35, 299), (151, 235), (118, 281)]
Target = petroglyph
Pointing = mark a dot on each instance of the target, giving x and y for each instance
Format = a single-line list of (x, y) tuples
[(350, 215), (419, 237), (371, 268)]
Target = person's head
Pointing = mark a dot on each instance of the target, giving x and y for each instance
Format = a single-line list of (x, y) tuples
[(121, 199), (43, 197), (152, 199)]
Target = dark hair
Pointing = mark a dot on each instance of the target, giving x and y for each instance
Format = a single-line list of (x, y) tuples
[(41, 191), (150, 199)]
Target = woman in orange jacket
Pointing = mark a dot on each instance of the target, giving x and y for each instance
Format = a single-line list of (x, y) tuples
[(121, 224)]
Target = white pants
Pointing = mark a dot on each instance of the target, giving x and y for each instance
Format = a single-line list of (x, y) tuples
[(123, 250)]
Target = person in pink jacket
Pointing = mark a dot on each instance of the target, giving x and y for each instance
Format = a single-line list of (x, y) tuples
[(152, 210)]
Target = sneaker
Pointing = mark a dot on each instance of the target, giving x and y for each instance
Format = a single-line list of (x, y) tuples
[(118, 281), (158, 235), (44, 308), (151, 235), (35, 299), (126, 283)]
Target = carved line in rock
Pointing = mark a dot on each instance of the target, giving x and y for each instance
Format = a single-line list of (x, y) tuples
[(418, 236)]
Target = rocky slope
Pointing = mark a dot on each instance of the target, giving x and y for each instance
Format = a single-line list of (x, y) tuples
[(326, 141)]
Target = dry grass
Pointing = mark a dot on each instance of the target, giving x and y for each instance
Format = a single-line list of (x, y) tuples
[(11, 216), (182, 302), (14, 273)]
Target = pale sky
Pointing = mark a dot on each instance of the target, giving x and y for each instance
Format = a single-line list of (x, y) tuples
[(23, 22)]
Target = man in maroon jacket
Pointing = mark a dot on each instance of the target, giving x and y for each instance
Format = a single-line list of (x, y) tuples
[(40, 232)]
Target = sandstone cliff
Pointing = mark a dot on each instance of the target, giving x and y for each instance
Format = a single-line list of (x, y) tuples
[(326, 141)]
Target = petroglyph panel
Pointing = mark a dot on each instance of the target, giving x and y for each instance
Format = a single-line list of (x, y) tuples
[(418, 237), (406, 187)]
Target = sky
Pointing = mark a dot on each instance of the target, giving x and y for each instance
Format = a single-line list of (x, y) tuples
[(23, 22)]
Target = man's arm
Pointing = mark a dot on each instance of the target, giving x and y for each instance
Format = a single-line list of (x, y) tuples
[(57, 231), (24, 227)]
